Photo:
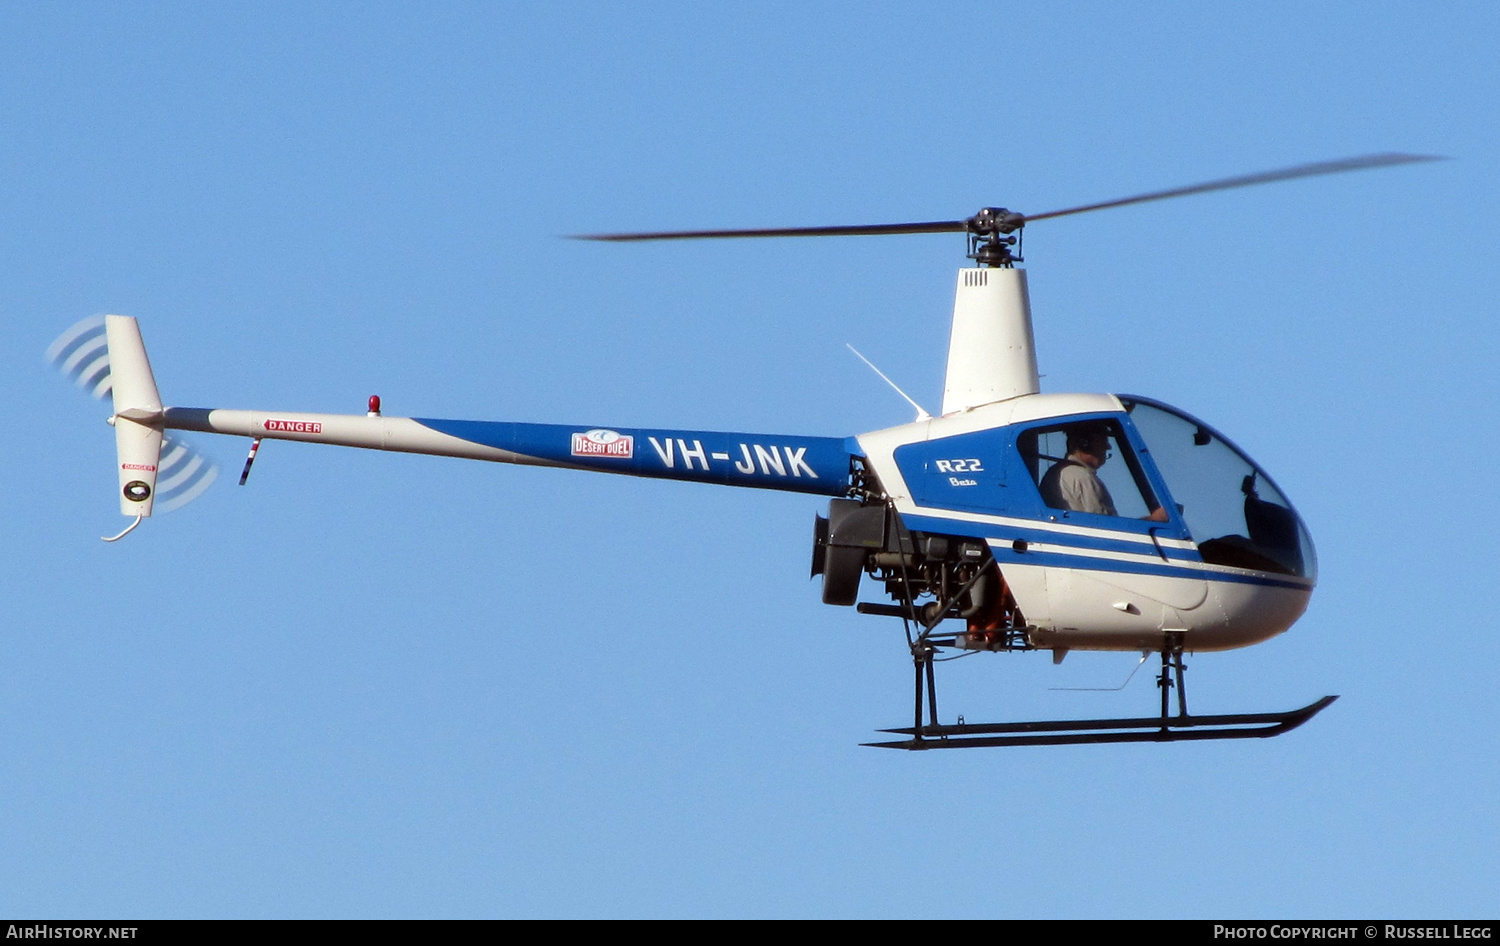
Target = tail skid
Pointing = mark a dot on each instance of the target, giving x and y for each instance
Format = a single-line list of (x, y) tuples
[(124, 532)]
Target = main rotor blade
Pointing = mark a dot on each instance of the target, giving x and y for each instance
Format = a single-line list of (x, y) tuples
[(1246, 180), (961, 226), (937, 226)]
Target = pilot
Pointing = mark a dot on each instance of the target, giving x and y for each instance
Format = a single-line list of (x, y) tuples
[(1072, 483)]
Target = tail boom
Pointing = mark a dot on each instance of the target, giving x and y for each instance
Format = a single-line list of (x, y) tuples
[(765, 461)]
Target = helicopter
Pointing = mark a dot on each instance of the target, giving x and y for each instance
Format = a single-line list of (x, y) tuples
[(1013, 520)]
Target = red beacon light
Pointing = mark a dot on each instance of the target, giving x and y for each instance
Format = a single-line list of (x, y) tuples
[(374, 405)]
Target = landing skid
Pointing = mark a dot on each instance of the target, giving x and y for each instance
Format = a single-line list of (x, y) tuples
[(1064, 732)]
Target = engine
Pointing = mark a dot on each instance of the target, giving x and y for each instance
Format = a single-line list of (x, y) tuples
[(927, 575)]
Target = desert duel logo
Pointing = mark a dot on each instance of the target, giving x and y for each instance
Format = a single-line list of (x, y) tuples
[(604, 443)]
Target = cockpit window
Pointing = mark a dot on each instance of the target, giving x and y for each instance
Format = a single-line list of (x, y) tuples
[(1087, 466), (1234, 512)]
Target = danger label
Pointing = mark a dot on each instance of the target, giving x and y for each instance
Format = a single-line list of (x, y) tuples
[(294, 426)]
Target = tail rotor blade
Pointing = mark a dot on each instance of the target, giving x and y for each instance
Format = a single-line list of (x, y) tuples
[(185, 474), (82, 355)]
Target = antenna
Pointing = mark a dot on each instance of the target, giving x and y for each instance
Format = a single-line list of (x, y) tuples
[(921, 412)]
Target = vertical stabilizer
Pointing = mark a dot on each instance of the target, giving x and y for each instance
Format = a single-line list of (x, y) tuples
[(138, 415), (991, 354), (82, 354)]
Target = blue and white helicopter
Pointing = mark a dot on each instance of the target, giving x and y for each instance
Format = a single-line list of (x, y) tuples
[(1013, 520)]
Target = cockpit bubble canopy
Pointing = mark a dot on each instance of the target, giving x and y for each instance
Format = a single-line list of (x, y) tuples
[(1235, 513)]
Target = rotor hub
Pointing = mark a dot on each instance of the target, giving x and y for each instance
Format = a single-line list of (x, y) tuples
[(992, 234)]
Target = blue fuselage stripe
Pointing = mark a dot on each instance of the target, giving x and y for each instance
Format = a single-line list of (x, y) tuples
[(762, 461), (1139, 544), (1003, 537), (1005, 553)]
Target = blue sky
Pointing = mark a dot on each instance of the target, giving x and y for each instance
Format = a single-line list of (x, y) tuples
[(370, 685)]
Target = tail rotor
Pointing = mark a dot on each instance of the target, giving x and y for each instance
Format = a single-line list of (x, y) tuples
[(104, 355)]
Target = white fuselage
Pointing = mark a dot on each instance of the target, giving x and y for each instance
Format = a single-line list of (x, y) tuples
[(1083, 582)]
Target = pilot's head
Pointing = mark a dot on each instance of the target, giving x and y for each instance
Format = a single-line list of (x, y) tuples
[(1088, 443)]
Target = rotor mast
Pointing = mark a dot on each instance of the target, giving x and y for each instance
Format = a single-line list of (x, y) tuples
[(991, 348)]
